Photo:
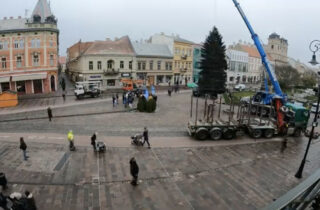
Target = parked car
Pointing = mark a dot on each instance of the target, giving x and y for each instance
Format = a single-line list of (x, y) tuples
[(240, 87)]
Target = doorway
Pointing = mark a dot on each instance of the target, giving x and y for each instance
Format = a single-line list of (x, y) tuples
[(37, 86), (53, 83)]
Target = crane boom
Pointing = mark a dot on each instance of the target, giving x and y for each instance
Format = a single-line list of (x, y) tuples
[(262, 53)]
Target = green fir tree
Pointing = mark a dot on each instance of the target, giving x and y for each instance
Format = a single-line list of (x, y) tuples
[(213, 76)]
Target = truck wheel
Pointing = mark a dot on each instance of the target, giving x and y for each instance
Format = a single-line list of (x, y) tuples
[(216, 133), (268, 133), (297, 132), (256, 133), (228, 134), (202, 134)]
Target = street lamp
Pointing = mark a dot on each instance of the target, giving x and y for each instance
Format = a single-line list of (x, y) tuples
[(314, 47)]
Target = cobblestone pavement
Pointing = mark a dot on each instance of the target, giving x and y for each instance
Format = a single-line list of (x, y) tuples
[(244, 176)]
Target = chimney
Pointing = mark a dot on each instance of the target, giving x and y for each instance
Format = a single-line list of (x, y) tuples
[(11, 17), (19, 17), (5, 18)]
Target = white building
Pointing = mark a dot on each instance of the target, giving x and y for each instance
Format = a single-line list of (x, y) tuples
[(238, 67)]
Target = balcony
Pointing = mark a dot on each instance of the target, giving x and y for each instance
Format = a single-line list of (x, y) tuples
[(183, 69), (184, 57), (110, 71)]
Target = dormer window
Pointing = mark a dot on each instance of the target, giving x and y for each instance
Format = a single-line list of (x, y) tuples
[(51, 19)]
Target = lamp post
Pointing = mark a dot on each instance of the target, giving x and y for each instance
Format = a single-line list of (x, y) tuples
[(314, 47)]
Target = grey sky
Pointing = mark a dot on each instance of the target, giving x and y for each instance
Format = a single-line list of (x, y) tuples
[(295, 20)]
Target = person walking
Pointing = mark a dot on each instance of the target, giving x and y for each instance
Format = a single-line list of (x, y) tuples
[(3, 201), (93, 141), (23, 147), (64, 97), (113, 100), (49, 113), (71, 140), (146, 137), (134, 170), (117, 97), (30, 202)]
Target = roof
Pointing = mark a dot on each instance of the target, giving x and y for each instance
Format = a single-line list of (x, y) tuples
[(10, 24), (42, 9), (121, 46), (253, 52), (152, 50), (178, 39)]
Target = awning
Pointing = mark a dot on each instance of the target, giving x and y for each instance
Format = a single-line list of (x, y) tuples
[(4, 79), (29, 77)]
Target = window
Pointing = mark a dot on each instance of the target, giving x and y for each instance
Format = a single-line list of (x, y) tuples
[(99, 65), (21, 43), (130, 64), (143, 65), (51, 60), (272, 46), (111, 82), (159, 65), (231, 79), (1, 45), (16, 44), (5, 86), (35, 43), (19, 62), (151, 65), (4, 63), (110, 64), (90, 65), (139, 65), (35, 60), (51, 43), (121, 64), (21, 86), (176, 51), (168, 65), (175, 64)]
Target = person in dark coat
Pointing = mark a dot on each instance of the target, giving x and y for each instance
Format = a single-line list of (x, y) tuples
[(117, 97), (49, 113), (3, 201), (30, 202), (93, 141), (134, 170), (23, 147), (146, 137), (113, 100)]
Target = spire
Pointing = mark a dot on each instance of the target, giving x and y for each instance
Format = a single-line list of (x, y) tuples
[(42, 11)]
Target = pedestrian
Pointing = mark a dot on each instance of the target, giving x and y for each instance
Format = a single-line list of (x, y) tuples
[(49, 113), (117, 97), (71, 140), (284, 144), (134, 170), (113, 100), (169, 83), (93, 141), (23, 147), (123, 97), (30, 202), (169, 91), (3, 201), (64, 97), (3, 181), (146, 137)]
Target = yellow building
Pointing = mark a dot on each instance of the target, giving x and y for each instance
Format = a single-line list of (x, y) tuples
[(182, 56), (182, 59)]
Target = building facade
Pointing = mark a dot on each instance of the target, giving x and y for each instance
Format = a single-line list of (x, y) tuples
[(237, 67), (154, 63), (29, 52), (105, 61), (182, 51), (277, 48), (196, 62)]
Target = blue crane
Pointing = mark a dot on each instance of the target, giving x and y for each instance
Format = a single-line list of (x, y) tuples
[(277, 89)]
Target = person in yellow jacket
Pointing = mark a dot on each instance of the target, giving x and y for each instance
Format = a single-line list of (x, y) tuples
[(71, 140)]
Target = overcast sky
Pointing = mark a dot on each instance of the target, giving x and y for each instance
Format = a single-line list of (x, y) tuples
[(296, 20)]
